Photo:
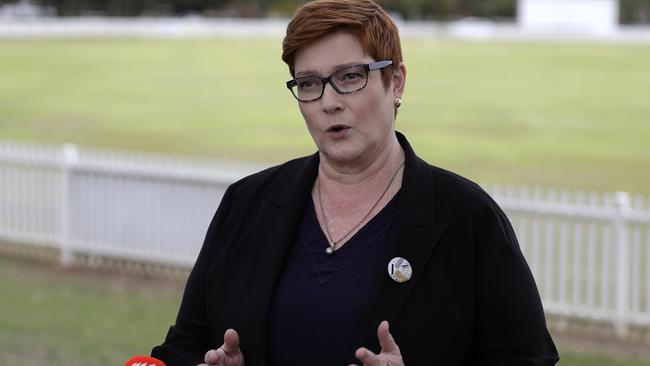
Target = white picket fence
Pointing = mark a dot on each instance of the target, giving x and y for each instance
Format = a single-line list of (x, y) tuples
[(589, 252), (149, 208)]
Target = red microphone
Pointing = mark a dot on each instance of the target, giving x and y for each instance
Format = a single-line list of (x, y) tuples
[(143, 361)]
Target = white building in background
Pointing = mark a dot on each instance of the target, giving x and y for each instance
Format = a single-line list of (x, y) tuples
[(597, 17), (25, 9)]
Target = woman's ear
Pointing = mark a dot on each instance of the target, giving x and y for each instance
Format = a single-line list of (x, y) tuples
[(399, 80)]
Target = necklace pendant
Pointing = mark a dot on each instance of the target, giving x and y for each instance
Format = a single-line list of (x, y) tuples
[(329, 251)]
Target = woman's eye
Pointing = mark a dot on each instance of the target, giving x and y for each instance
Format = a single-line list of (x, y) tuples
[(305, 84), (352, 76)]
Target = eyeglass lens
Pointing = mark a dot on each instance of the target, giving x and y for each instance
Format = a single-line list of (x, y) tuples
[(346, 80)]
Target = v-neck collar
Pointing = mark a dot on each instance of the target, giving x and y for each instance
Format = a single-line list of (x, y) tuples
[(314, 242)]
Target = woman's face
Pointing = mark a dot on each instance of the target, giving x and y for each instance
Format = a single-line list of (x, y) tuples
[(350, 128)]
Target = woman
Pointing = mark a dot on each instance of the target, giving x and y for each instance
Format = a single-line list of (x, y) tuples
[(361, 253)]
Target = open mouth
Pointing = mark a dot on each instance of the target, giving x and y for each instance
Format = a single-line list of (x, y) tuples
[(337, 128)]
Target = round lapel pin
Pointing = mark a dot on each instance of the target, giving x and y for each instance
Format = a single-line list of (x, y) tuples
[(399, 269)]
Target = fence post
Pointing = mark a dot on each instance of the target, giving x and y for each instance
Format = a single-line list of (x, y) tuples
[(70, 159), (622, 273)]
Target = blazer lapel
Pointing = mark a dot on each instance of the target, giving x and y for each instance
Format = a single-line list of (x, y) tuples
[(414, 236), (275, 228)]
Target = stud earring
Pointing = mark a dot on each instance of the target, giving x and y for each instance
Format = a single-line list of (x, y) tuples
[(397, 103)]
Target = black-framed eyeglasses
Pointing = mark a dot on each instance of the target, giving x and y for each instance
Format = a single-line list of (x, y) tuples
[(347, 80)]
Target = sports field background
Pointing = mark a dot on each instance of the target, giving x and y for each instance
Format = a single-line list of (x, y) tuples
[(562, 115), (549, 114)]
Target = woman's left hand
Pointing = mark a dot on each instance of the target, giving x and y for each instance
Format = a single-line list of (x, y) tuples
[(390, 354)]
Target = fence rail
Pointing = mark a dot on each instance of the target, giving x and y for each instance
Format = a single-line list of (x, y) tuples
[(589, 252), (130, 206)]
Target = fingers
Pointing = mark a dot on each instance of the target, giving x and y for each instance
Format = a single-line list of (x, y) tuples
[(217, 357), (390, 353), (230, 341), (211, 357), (366, 357), (230, 347), (386, 340)]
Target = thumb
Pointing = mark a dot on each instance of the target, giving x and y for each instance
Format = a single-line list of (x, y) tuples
[(230, 341), (386, 340)]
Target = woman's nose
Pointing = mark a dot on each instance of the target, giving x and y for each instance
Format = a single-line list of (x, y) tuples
[(331, 100)]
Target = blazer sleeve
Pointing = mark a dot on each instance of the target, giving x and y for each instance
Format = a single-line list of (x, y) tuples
[(189, 338), (510, 324)]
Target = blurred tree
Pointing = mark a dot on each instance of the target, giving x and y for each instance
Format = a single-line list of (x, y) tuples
[(632, 11), (421, 9), (131, 7), (284, 7), (80, 7), (635, 11), (488, 8), (188, 6), (127, 7)]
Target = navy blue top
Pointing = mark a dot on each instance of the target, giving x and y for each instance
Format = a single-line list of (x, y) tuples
[(320, 299)]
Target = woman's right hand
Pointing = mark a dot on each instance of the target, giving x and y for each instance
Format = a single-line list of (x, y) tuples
[(228, 354)]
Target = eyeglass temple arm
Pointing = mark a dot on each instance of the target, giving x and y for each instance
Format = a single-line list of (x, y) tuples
[(379, 65)]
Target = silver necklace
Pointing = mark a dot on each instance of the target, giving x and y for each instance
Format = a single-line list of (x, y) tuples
[(332, 247)]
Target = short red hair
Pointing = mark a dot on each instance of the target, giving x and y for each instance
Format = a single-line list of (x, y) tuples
[(377, 33)]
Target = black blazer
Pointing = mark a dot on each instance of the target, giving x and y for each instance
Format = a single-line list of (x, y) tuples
[(470, 301)]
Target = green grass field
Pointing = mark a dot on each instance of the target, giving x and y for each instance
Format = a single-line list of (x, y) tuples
[(52, 316), (565, 115)]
